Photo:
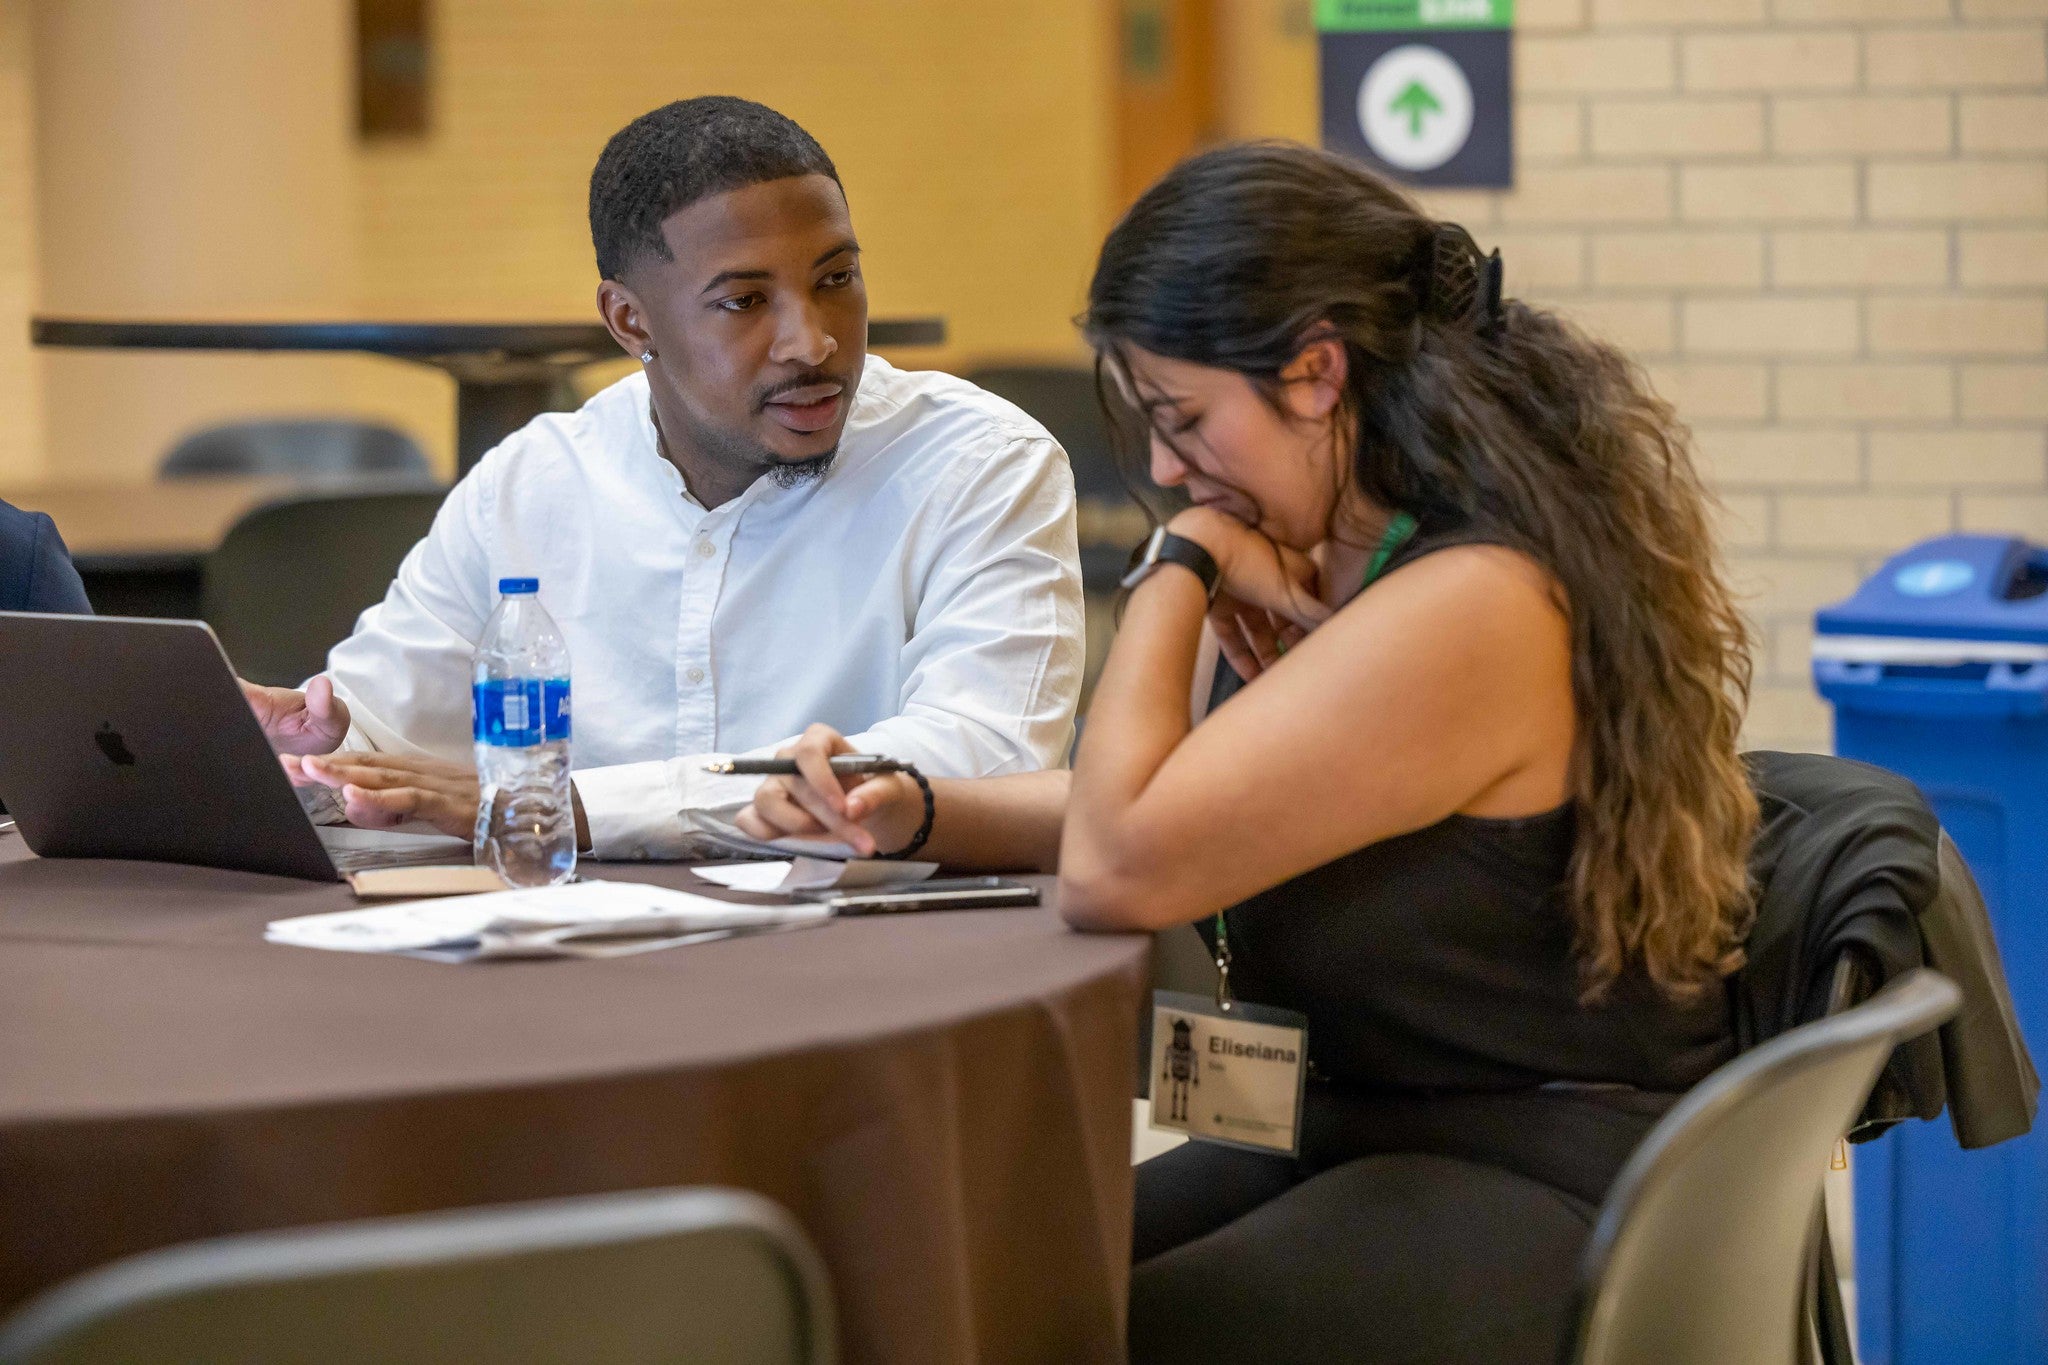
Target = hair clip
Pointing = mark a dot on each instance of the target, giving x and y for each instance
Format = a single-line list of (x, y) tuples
[(1453, 274), (1491, 314), (1463, 286)]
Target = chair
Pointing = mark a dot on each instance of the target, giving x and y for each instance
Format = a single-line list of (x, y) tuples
[(312, 448), (710, 1276), (1704, 1247), (290, 578)]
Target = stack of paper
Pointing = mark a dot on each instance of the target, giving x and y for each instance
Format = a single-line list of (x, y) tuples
[(580, 919)]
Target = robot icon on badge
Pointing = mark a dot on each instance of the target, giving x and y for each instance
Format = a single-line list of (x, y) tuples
[(1415, 107)]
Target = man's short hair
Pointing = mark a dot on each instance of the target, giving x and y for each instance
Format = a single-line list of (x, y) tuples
[(667, 160)]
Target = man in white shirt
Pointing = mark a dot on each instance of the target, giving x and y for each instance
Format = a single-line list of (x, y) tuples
[(763, 529)]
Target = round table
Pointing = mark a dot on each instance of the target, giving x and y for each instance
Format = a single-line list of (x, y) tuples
[(942, 1100), (506, 373)]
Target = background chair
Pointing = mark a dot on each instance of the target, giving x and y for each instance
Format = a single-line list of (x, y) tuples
[(708, 1276), (312, 448), (1704, 1247), (290, 578)]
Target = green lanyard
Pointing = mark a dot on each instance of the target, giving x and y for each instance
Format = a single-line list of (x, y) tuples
[(1397, 534)]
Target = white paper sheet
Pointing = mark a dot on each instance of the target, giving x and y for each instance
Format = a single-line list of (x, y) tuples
[(814, 874), (544, 918), (739, 845)]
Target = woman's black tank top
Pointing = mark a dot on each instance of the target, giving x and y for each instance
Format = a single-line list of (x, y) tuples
[(1441, 961)]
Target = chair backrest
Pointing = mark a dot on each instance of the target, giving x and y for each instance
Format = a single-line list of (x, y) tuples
[(289, 579), (709, 1276), (308, 448), (1704, 1246)]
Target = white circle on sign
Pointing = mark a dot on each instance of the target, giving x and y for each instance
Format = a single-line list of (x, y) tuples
[(1934, 578), (1415, 107)]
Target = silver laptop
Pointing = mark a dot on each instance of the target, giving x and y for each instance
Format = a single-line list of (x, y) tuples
[(127, 738)]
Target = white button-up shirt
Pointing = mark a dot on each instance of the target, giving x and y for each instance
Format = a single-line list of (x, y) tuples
[(923, 597)]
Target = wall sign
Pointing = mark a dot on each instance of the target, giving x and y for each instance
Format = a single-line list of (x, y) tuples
[(1422, 89)]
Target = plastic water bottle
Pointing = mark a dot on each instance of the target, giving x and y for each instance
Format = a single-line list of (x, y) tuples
[(525, 826)]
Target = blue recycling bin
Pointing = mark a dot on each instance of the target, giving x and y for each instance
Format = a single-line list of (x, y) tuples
[(1938, 670)]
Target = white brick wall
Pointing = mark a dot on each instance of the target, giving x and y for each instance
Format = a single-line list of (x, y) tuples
[(1823, 227)]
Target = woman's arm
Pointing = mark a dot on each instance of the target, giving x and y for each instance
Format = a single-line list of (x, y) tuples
[(989, 824), (1445, 689)]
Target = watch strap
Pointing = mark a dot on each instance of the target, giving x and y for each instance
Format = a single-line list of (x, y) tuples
[(1164, 547)]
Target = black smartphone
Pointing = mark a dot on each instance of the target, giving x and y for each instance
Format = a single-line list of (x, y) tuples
[(943, 893)]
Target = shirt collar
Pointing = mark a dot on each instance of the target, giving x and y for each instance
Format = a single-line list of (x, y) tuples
[(647, 446)]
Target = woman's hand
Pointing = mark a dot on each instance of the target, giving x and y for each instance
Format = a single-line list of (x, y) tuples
[(878, 814), (1267, 598)]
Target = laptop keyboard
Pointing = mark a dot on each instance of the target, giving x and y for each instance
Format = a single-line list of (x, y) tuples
[(362, 859), (354, 850)]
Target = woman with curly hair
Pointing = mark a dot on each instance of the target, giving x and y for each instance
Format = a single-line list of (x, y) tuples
[(1459, 781)]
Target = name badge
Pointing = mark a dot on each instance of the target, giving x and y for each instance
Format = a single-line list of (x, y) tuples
[(1232, 1076)]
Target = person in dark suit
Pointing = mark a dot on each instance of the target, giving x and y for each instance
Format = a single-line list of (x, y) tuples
[(35, 568)]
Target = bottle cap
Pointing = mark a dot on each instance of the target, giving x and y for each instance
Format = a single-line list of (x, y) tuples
[(512, 587)]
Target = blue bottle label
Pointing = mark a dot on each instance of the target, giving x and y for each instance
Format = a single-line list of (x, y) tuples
[(508, 713), (555, 702)]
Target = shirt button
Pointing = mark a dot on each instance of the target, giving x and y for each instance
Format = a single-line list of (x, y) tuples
[(695, 675), (705, 549)]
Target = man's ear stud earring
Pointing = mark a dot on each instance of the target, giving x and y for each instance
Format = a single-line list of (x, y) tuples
[(647, 357)]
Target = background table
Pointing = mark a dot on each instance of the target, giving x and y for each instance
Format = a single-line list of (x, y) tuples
[(505, 373), (141, 547), (942, 1100)]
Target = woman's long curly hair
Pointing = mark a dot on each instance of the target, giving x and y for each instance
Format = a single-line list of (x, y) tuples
[(1511, 424)]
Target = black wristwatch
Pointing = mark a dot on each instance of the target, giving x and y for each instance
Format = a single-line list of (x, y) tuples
[(1164, 547)]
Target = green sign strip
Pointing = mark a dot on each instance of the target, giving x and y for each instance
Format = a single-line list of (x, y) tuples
[(1391, 16)]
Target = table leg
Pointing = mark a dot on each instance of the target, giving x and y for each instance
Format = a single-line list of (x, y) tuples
[(489, 410)]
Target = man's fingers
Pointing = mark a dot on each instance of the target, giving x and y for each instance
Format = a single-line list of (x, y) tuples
[(870, 796), (813, 755), (371, 761), (834, 821), (326, 712), (382, 808), (379, 809), (338, 772), (376, 771), (781, 814)]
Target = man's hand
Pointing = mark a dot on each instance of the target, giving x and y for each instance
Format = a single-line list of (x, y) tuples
[(382, 790), (868, 814), (314, 721)]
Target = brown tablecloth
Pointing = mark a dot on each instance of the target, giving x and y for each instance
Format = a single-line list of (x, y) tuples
[(942, 1100)]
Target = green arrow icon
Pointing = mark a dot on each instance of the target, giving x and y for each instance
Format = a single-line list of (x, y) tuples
[(1416, 102)]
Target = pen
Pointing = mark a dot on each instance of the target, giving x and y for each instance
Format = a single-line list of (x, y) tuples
[(847, 765)]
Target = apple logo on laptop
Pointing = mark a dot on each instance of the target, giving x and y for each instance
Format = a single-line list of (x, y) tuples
[(112, 745)]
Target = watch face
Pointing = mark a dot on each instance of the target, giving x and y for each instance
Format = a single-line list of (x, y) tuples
[(1143, 558)]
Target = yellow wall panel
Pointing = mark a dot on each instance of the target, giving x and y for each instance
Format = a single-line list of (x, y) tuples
[(21, 454), (973, 140)]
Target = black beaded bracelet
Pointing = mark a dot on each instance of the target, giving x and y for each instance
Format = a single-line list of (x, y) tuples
[(924, 831)]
